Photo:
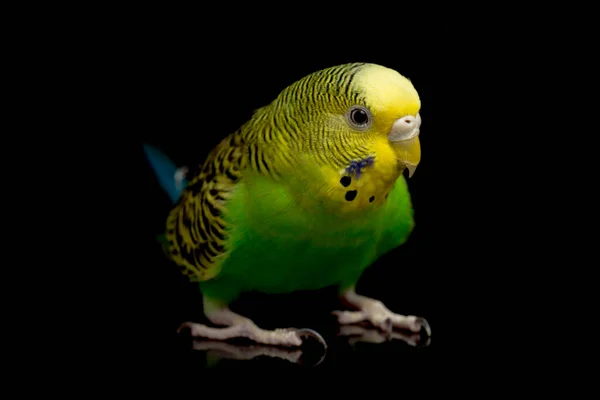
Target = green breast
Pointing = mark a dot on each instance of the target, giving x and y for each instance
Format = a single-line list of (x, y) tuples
[(277, 247)]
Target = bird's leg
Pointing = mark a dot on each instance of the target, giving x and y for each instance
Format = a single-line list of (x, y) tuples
[(377, 314), (237, 326)]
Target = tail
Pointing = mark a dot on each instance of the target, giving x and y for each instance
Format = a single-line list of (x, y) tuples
[(165, 172)]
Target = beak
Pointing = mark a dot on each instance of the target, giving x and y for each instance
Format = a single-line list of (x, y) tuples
[(409, 154), (404, 137)]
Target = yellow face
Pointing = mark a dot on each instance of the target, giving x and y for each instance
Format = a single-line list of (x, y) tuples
[(362, 145), (388, 95)]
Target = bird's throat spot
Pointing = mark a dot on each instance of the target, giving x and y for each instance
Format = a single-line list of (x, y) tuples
[(355, 167)]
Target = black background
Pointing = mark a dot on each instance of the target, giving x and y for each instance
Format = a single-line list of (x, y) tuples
[(492, 193)]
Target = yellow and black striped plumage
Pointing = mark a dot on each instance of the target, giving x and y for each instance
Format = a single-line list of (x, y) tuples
[(300, 136)]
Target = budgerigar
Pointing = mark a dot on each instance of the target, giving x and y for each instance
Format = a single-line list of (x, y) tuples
[(308, 193)]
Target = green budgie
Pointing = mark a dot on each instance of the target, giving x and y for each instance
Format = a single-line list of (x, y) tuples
[(306, 194)]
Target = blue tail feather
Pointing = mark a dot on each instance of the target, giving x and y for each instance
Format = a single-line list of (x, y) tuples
[(165, 170)]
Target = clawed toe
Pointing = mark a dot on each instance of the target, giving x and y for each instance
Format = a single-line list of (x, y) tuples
[(424, 325), (309, 333), (184, 328), (311, 357)]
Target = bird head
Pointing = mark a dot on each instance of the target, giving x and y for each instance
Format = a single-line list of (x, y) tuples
[(351, 111)]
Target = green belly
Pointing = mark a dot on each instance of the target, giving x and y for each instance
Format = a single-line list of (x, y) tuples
[(276, 248)]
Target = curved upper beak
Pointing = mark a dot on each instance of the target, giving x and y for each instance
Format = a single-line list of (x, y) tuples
[(404, 137)]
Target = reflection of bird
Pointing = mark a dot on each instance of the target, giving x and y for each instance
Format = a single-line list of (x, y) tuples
[(362, 334), (216, 350), (306, 194)]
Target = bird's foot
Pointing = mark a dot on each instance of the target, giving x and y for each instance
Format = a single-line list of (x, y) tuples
[(378, 315), (288, 337), (234, 326)]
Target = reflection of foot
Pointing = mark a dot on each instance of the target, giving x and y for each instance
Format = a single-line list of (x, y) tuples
[(237, 326), (378, 315), (362, 334), (224, 350)]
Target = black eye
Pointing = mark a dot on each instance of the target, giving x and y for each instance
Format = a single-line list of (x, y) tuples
[(359, 116)]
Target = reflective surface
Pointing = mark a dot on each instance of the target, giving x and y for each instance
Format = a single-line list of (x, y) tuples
[(348, 340), (346, 344)]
